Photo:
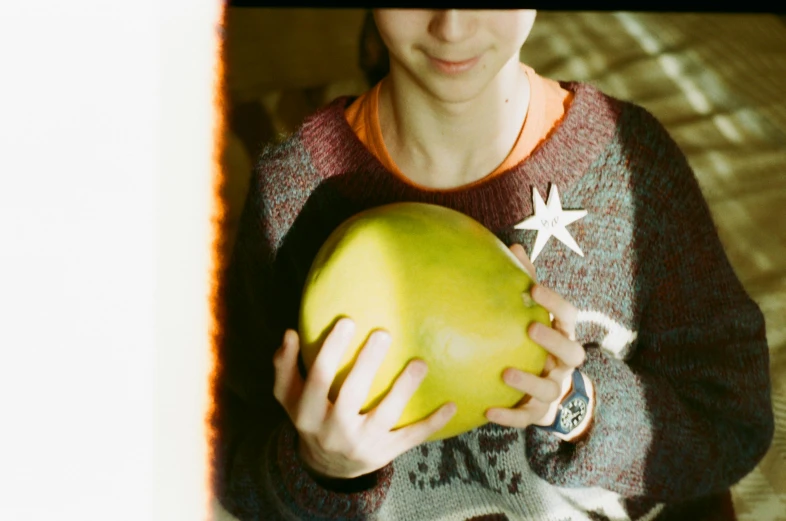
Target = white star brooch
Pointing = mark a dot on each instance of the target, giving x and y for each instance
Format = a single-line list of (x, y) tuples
[(550, 220)]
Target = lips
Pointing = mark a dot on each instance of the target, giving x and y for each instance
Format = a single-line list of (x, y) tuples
[(453, 67)]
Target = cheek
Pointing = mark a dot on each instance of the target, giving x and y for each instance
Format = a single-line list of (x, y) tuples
[(512, 31), (398, 27)]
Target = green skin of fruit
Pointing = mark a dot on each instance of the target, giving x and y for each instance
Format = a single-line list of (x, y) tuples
[(447, 290)]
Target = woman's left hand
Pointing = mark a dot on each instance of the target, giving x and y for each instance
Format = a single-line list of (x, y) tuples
[(545, 392)]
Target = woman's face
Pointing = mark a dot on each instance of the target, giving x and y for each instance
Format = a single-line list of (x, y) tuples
[(452, 54)]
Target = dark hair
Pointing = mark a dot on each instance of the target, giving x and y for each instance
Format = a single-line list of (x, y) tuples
[(374, 59)]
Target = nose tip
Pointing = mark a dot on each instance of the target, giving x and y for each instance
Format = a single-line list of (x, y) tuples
[(452, 25)]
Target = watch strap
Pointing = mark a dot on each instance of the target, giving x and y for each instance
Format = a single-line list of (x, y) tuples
[(578, 383), (577, 388)]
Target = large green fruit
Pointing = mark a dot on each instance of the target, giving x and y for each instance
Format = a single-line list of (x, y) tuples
[(448, 291)]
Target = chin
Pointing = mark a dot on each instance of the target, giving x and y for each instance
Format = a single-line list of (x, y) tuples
[(463, 87), (452, 88), (456, 91)]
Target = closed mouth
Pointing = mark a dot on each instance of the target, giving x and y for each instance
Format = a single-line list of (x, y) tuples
[(452, 67)]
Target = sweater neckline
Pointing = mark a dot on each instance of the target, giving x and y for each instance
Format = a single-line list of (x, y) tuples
[(499, 201)]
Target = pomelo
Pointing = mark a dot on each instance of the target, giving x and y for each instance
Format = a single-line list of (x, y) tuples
[(447, 290)]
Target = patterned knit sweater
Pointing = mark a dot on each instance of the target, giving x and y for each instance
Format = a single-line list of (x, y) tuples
[(675, 347)]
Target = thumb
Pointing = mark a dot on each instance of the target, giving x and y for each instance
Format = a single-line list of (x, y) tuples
[(521, 255), (288, 384)]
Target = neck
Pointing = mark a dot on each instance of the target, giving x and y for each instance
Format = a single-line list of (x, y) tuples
[(443, 144)]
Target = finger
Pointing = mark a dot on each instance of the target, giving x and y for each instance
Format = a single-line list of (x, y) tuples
[(288, 384), (354, 391), (562, 376), (314, 400), (567, 351), (518, 417), (542, 389), (564, 312), (521, 255), (389, 410), (551, 363), (417, 433)]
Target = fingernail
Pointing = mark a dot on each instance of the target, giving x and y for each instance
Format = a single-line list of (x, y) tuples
[(381, 338), (417, 368), (511, 376), (346, 326), (449, 409), (538, 292), (536, 331)]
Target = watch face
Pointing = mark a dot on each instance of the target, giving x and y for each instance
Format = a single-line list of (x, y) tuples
[(572, 414)]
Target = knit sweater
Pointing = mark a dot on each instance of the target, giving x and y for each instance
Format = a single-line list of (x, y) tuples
[(675, 347)]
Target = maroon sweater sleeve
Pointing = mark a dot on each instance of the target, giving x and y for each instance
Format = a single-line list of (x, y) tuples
[(256, 472), (689, 414)]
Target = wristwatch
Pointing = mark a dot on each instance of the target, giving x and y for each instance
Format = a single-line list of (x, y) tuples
[(573, 408)]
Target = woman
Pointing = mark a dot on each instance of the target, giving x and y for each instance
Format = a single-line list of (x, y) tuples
[(652, 330)]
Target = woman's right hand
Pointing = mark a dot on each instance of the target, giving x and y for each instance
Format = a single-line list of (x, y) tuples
[(335, 439)]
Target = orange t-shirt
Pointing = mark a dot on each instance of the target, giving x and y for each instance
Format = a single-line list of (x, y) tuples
[(547, 105)]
